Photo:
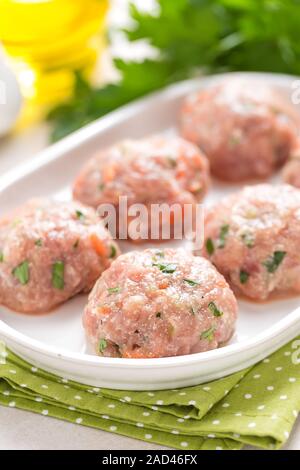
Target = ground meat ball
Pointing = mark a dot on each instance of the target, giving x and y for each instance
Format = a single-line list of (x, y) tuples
[(252, 237), (155, 170), (246, 129), (157, 303), (49, 252)]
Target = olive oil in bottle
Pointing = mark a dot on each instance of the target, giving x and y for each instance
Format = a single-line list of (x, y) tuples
[(47, 40)]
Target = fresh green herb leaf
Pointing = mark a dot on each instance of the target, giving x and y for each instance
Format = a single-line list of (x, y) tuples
[(244, 276), (158, 254), (58, 271), (248, 239), (21, 272), (214, 309), (16, 222), (90, 103), (166, 268), (234, 140), (191, 282), (210, 248), (208, 334), (158, 315), (196, 188), (274, 261), (101, 186), (38, 242), (172, 162), (1, 257), (171, 329), (102, 345), (188, 36), (223, 235), (113, 290), (193, 310), (80, 215), (117, 349), (113, 251)]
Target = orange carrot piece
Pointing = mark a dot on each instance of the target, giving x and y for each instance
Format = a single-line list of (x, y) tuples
[(104, 310), (136, 354), (109, 173), (98, 245), (164, 284)]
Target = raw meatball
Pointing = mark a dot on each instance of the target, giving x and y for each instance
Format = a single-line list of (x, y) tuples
[(50, 251), (155, 170), (246, 129), (252, 237), (157, 303)]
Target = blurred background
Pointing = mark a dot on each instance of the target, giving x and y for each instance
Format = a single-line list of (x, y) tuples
[(64, 63), (44, 45)]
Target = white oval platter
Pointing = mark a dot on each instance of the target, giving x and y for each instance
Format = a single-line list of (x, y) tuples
[(56, 341)]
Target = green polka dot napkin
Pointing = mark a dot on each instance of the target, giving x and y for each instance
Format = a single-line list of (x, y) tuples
[(256, 406)]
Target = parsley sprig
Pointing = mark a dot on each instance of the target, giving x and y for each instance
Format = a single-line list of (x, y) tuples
[(272, 263), (191, 36)]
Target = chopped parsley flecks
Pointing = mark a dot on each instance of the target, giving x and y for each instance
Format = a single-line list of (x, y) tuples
[(117, 349), (101, 186), (210, 247), (113, 290), (80, 215), (1, 257), (214, 309), (166, 268), (16, 222), (102, 345), (244, 276), (250, 213), (208, 334), (274, 261), (38, 242), (193, 310), (234, 140), (157, 254), (76, 243), (21, 272), (223, 235), (248, 239), (171, 329), (158, 315), (275, 110), (58, 272), (191, 282), (196, 188), (172, 162), (113, 251)]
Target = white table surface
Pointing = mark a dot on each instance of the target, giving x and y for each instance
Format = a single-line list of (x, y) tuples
[(24, 430)]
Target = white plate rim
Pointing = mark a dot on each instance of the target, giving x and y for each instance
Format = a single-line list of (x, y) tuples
[(282, 327)]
